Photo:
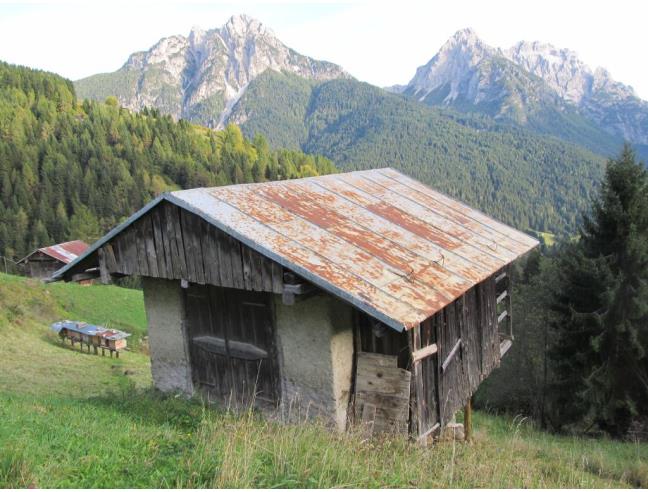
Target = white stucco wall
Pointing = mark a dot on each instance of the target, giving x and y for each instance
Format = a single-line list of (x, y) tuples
[(170, 364), (315, 342)]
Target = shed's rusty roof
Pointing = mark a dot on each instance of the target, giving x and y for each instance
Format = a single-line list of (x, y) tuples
[(64, 252), (388, 244)]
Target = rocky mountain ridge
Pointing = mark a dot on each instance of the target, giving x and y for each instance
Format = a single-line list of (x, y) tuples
[(201, 76), (528, 78)]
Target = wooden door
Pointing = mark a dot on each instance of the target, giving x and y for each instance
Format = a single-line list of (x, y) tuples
[(232, 345)]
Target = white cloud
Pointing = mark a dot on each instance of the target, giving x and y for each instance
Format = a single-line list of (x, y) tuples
[(379, 42)]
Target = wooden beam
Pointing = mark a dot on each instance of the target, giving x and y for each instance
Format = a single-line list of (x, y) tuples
[(505, 345), (295, 292), (502, 296), (451, 355), (500, 277), (104, 273), (502, 315), (424, 352)]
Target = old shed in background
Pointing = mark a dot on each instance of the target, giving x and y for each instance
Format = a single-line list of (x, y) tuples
[(365, 295), (43, 262)]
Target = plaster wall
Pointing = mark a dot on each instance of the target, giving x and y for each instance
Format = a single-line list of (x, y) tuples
[(170, 365), (315, 342)]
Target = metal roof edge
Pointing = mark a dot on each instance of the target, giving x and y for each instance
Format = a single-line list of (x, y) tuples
[(57, 275)]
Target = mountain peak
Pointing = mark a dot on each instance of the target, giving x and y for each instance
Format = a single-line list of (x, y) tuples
[(242, 25), (202, 76), (465, 39)]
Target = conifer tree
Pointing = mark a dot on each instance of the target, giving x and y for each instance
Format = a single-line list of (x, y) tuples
[(601, 308)]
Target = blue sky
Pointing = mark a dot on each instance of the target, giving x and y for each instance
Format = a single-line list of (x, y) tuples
[(376, 41)]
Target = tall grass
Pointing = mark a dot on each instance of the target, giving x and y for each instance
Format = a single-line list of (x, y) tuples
[(69, 419)]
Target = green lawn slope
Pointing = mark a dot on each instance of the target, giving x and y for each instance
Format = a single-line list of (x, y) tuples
[(70, 419)]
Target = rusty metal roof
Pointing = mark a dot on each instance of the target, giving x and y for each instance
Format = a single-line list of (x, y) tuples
[(64, 252), (386, 243)]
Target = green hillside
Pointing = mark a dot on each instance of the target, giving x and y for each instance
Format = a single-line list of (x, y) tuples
[(71, 170), (71, 419), (526, 180)]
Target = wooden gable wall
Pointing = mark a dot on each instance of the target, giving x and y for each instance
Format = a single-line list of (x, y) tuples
[(467, 336), (172, 243)]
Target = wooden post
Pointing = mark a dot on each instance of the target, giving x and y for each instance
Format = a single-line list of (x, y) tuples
[(468, 421)]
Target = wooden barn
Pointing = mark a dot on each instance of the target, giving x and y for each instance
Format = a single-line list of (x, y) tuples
[(365, 295), (43, 262)]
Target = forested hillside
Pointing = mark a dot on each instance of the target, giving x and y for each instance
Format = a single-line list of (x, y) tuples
[(531, 182), (71, 169)]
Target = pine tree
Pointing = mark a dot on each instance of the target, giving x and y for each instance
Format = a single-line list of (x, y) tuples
[(601, 308)]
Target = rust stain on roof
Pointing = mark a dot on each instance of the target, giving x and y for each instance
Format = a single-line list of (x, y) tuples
[(385, 243), (381, 240), (64, 252)]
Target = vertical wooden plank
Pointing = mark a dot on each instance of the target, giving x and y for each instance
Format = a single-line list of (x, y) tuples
[(266, 273), (225, 259), (468, 421), (509, 307), (203, 237), (126, 249), (196, 232), (415, 344), (111, 261), (215, 262), (170, 215), (164, 233), (149, 244), (246, 257), (257, 270), (234, 249), (104, 274), (277, 277), (142, 260), (159, 243), (190, 253), (174, 216)]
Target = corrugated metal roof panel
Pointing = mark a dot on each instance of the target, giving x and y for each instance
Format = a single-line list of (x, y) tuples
[(65, 252), (387, 243)]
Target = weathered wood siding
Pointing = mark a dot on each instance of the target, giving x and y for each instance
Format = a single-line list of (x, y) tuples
[(232, 345), (461, 346), (172, 243), (468, 349)]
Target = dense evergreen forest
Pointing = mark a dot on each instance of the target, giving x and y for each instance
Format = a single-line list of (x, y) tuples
[(72, 170), (580, 359), (533, 182)]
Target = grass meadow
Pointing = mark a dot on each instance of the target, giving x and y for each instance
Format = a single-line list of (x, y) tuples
[(72, 419)]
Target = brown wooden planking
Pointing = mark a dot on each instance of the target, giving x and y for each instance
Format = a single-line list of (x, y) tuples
[(149, 242), (277, 277), (246, 261), (257, 269), (176, 244), (188, 245), (142, 259), (226, 260), (168, 212), (382, 392), (159, 243)]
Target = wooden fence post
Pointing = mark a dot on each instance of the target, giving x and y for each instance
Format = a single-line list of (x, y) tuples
[(468, 421)]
